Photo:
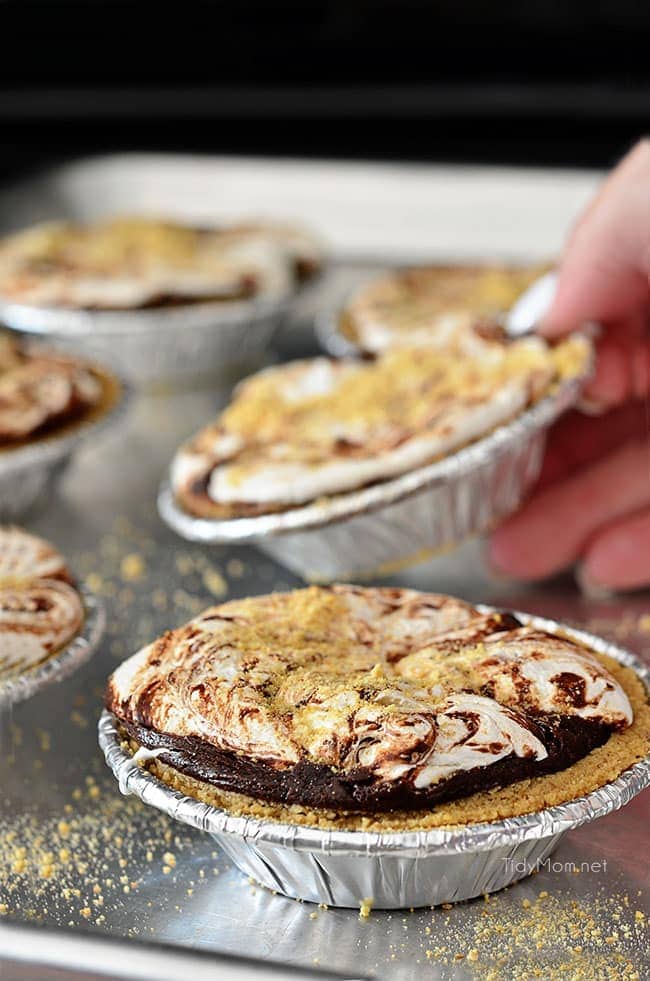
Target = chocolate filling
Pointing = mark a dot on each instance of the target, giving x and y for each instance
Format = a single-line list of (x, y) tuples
[(566, 738)]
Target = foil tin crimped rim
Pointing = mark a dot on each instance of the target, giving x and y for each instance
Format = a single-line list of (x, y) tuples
[(66, 661), (409, 844), (52, 447), (372, 498), (74, 323)]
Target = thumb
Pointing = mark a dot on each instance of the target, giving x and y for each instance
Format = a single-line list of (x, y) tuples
[(605, 273)]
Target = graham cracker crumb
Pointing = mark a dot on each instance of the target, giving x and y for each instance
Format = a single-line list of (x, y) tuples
[(215, 583), (132, 567), (365, 907)]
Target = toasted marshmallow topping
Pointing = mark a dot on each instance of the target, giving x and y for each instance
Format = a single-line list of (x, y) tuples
[(133, 262), (308, 429), (435, 305), (25, 557), (40, 388), (474, 732), (552, 675), (40, 612), (363, 681)]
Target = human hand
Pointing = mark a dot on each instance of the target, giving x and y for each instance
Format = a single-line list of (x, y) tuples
[(592, 503)]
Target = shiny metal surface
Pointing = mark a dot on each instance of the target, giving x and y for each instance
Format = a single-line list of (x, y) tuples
[(105, 519), (24, 949), (52, 771)]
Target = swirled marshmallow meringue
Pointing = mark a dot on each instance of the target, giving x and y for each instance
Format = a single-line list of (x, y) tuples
[(457, 307), (359, 699), (25, 557), (42, 389), (302, 431), (552, 674), (475, 731), (126, 263), (40, 610)]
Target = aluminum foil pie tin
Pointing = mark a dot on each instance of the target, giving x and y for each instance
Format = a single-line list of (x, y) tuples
[(382, 528), (26, 472), (27, 683), (174, 344), (391, 870)]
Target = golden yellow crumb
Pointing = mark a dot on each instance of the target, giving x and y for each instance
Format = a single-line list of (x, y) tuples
[(364, 908), (132, 567), (215, 583)]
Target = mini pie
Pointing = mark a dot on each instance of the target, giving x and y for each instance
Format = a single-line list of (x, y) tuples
[(129, 263), (40, 609), (311, 429), (41, 391), (436, 305), (362, 701)]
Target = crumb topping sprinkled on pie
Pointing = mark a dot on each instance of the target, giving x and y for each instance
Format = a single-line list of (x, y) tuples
[(306, 429), (364, 697), (459, 306), (131, 262)]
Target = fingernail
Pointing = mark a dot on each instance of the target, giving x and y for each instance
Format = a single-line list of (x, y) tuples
[(591, 407), (592, 329), (591, 589)]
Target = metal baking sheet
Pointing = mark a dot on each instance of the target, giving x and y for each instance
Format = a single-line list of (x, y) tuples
[(98, 865)]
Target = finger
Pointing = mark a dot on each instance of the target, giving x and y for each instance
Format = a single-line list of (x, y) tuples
[(577, 440), (618, 557), (622, 370), (604, 272), (551, 530)]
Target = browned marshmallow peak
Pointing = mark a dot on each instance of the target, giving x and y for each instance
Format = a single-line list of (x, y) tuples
[(459, 306), (41, 389), (40, 610), (307, 430), (131, 262), (364, 699)]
